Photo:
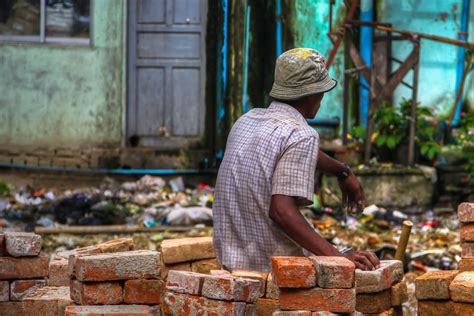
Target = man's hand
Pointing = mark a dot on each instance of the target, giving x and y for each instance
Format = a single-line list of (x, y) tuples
[(364, 260), (352, 193)]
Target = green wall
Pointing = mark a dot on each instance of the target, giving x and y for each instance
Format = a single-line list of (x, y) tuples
[(66, 96)]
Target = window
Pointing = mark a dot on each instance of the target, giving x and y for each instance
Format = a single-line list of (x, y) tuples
[(45, 21)]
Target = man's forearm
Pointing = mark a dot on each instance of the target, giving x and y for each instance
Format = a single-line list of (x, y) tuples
[(329, 165)]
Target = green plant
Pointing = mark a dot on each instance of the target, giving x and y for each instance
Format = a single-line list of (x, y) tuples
[(466, 140)]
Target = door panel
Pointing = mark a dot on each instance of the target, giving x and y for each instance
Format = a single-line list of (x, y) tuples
[(150, 100), (185, 92)]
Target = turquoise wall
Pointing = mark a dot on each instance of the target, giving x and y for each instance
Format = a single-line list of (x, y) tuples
[(66, 96)]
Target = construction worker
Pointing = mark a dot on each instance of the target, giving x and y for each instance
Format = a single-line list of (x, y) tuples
[(267, 173)]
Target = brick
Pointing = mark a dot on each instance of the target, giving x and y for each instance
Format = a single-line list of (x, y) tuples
[(138, 264), (19, 244), (292, 313), (466, 212), (466, 264), (4, 291), (272, 291), (372, 303), (184, 266), (178, 304), (467, 232), (185, 282), (444, 308), (293, 272), (318, 299), (23, 268), (462, 288), (11, 309), (96, 293), (51, 301), (3, 246), (399, 293), (255, 275), (19, 289), (111, 310), (323, 314), (143, 291), (250, 310), (434, 285), (390, 272), (334, 272), (187, 249), (58, 272), (266, 307), (230, 288), (205, 266), (467, 249), (219, 272)]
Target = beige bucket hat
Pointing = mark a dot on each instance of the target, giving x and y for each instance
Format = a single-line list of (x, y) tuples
[(300, 72)]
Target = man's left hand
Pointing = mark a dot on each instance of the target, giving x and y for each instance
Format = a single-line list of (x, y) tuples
[(352, 193)]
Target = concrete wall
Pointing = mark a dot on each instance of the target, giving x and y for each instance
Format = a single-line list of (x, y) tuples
[(66, 96)]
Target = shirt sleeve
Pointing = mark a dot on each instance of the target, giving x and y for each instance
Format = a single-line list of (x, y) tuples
[(294, 171)]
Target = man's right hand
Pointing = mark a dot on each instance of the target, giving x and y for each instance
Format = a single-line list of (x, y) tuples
[(364, 260)]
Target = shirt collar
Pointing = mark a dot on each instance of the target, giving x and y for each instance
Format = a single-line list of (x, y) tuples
[(287, 109)]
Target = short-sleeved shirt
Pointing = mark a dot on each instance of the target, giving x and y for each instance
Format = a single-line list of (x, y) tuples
[(269, 151)]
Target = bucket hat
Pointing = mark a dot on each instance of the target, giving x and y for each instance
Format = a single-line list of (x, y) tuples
[(300, 72)]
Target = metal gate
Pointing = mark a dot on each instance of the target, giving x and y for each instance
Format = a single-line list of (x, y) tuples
[(166, 72)]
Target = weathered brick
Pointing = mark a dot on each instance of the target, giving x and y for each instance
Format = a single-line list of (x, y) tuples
[(462, 288), (4, 291), (467, 232), (58, 273), (165, 268), (96, 293), (230, 288), (219, 272), (19, 289), (266, 307), (250, 310), (205, 266), (292, 313), (399, 293), (187, 249), (255, 275), (185, 282), (11, 309), (51, 301), (20, 244), (466, 212), (324, 314), (272, 291), (372, 303), (318, 299), (467, 249), (390, 272), (466, 264), (178, 304), (23, 268), (434, 285), (138, 264), (293, 272), (3, 246), (334, 272), (143, 291), (111, 310), (444, 308)]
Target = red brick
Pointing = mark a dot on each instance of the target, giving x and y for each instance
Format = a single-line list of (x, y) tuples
[(250, 310), (372, 303), (138, 264), (334, 272), (466, 212), (466, 264), (318, 299), (390, 272), (4, 291), (51, 301), (143, 291), (255, 275), (114, 245), (19, 289), (462, 288), (3, 246), (11, 309), (187, 249), (185, 282), (165, 268), (467, 249), (219, 272), (205, 266), (230, 288), (444, 308), (58, 273), (178, 304), (111, 310), (292, 313), (96, 293), (434, 285), (266, 307), (23, 268), (293, 272), (467, 232), (19, 244), (399, 293)]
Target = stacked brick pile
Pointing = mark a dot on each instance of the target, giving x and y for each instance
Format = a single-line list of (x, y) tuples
[(381, 290), (451, 292), (191, 293)]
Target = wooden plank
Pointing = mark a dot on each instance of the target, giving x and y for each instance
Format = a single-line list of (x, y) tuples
[(411, 136), (107, 229)]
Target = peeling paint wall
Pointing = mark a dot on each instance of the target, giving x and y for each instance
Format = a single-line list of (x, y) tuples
[(66, 96)]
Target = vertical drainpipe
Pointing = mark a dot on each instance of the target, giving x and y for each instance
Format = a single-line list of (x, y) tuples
[(461, 57), (278, 28), (245, 98), (366, 34)]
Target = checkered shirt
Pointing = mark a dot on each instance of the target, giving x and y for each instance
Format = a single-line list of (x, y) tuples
[(269, 151)]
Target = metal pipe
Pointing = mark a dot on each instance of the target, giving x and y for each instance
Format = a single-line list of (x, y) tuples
[(245, 98), (279, 46), (329, 122), (366, 37)]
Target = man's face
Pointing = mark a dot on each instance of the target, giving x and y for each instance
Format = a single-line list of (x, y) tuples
[(315, 101)]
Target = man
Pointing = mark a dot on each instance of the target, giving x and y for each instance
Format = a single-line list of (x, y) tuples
[(268, 172)]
